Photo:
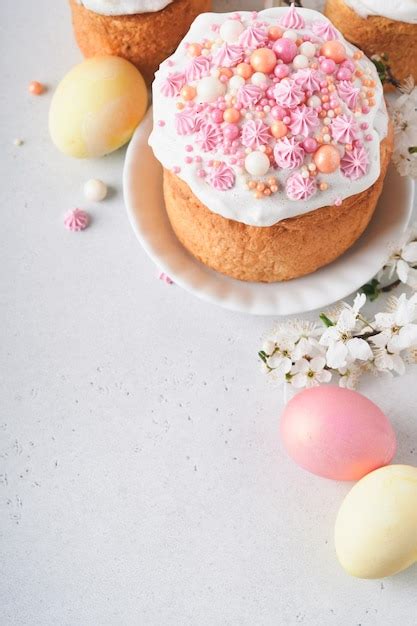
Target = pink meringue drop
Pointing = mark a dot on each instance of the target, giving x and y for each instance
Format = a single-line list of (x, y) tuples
[(253, 37), (308, 79), (255, 134), (249, 95), (288, 153), (348, 92), (76, 220), (221, 177), (300, 188), (228, 55), (303, 120), (355, 163), (197, 68), (173, 84), (209, 137), (292, 19), (324, 30), (344, 129), (185, 122), (288, 93)]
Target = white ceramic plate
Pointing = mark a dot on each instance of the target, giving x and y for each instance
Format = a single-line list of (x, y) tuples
[(142, 182)]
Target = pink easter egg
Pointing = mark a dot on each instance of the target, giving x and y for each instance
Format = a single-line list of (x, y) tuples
[(337, 433)]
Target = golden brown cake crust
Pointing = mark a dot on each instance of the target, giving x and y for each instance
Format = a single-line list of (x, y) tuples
[(292, 248), (145, 39), (378, 35)]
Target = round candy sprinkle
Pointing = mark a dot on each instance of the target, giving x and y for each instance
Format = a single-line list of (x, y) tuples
[(36, 88), (334, 50), (95, 190), (327, 159), (231, 30), (257, 163), (300, 62), (308, 49), (209, 89), (263, 60)]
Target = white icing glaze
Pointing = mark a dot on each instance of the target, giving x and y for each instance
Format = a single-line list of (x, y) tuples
[(124, 7), (398, 10), (238, 203)]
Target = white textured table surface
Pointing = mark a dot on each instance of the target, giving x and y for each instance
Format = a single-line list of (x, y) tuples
[(141, 477)]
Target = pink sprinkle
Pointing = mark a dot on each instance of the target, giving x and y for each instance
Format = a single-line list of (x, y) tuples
[(364, 126), (197, 159), (189, 148), (338, 202), (76, 220), (201, 173), (161, 123), (188, 159), (368, 137), (365, 110), (287, 120), (217, 116), (165, 278), (170, 62), (176, 169), (223, 79)]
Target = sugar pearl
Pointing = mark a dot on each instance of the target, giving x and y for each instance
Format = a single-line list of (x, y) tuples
[(285, 49), (290, 34), (258, 78), (263, 60), (257, 163), (236, 82), (95, 190), (231, 30), (314, 102), (308, 49), (300, 62), (209, 89), (334, 50), (36, 88), (327, 159)]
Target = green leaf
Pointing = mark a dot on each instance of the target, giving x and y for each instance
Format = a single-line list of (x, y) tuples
[(372, 289), (326, 321), (263, 356)]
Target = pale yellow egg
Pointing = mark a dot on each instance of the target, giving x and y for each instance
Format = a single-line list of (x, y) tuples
[(97, 106), (376, 527)]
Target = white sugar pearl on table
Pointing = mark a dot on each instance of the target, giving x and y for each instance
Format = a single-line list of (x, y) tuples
[(308, 49), (259, 78), (209, 89), (257, 163), (231, 30), (300, 62), (290, 34), (95, 190)]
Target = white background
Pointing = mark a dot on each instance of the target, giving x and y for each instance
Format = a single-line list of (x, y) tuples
[(142, 481)]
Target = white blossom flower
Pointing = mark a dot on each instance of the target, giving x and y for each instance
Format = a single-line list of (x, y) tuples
[(388, 362), (405, 163), (310, 373), (308, 349), (403, 258), (404, 116), (342, 346), (349, 376), (397, 330)]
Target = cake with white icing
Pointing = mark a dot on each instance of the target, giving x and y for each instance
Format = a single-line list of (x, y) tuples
[(274, 138), (144, 32), (387, 28)]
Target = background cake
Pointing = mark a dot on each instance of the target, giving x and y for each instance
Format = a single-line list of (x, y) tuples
[(144, 32), (380, 27), (274, 138)]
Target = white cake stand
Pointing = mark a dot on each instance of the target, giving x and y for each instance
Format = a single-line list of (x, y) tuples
[(142, 182)]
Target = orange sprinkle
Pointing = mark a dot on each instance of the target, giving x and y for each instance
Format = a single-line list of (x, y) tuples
[(252, 184), (36, 88), (180, 105)]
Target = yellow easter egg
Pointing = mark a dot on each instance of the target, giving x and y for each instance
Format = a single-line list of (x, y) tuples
[(97, 106), (376, 527)]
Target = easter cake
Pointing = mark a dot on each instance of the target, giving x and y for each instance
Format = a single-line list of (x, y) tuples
[(144, 32), (274, 139), (381, 27)]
